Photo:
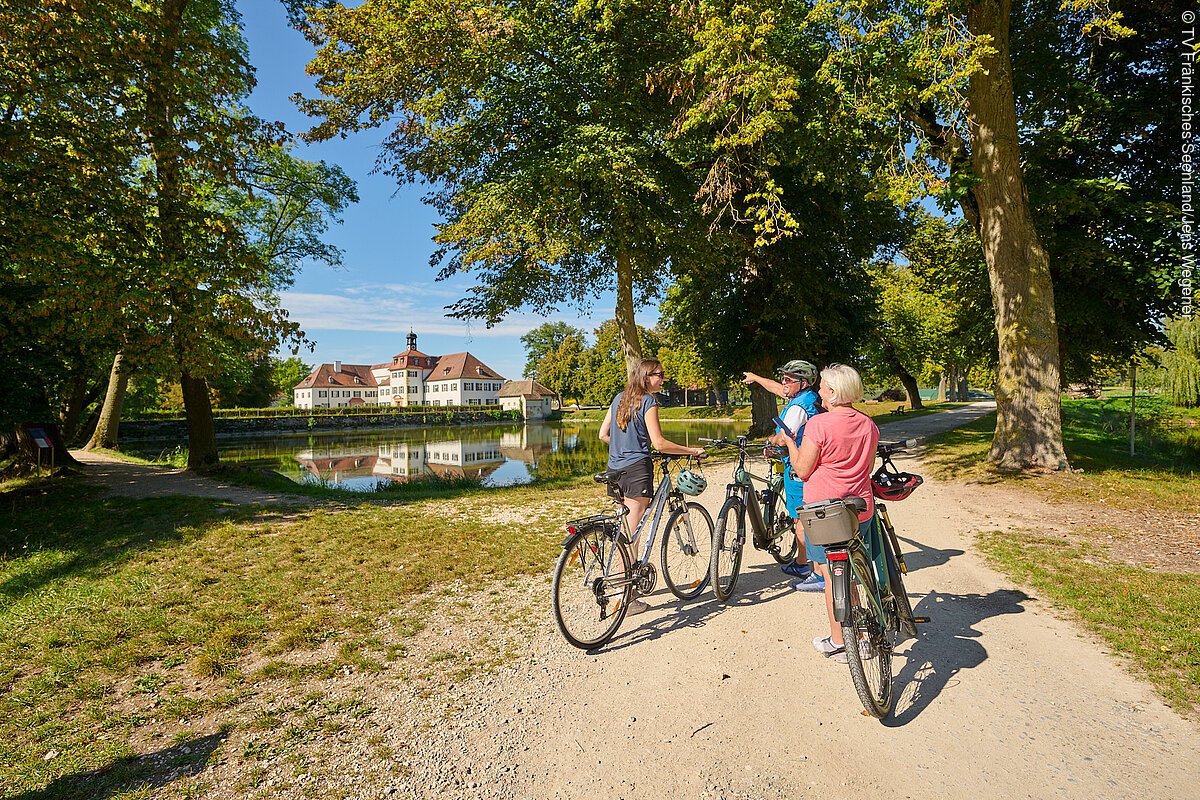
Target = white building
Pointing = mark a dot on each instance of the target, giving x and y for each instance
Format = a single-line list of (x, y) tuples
[(529, 398), (411, 378)]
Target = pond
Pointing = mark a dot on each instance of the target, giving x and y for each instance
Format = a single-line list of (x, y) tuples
[(495, 455)]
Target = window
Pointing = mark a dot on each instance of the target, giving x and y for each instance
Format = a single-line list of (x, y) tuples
[(491, 401), (454, 387), (412, 373), (473, 402), (323, 393), (412, 390)]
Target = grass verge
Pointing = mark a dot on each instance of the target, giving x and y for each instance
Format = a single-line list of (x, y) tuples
[(125, 621), (1165, 469), (1151, 618)]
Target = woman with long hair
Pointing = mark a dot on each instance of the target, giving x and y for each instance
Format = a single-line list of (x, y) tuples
[(630, 429)]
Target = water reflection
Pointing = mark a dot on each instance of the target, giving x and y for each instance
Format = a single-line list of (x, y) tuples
[(497, 455)]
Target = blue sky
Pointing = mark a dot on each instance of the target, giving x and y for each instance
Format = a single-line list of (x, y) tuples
[(361, 312)]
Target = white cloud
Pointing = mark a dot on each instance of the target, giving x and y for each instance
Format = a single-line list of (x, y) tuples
[(397, 308)]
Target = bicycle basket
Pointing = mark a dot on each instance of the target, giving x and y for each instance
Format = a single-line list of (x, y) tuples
[(691, 483), (829, 522)]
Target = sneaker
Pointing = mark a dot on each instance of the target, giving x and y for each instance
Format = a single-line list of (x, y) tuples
[(865, 653), (637, 607), (825, 646), (813, 583), (797, 570)]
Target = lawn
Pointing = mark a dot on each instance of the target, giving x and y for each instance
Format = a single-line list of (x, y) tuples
[(121, 619)]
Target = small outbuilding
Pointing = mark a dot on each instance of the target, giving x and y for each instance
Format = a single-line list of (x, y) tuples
[(529, 398)]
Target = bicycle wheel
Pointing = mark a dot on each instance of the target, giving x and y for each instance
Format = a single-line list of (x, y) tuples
[(591, 589), (687, 550), (868, 642), (784, 537), (896, 591), (728, 538)]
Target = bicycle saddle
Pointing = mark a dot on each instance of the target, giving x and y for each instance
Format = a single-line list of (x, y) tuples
[(855, 502)]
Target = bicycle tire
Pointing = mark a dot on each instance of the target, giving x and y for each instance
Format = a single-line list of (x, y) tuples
[(871, 672), (728, 541), (685, 558), (785, 532), (588, 614), (905, 619)]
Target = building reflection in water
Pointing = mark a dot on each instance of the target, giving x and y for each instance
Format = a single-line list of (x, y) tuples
[(496, 455)]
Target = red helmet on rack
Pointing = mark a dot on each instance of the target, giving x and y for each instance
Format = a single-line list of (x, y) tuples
[(888, 484)]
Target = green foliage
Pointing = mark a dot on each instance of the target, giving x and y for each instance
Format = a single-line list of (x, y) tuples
[(543, 340), (935, 311), (1182, 362), (1101, 172), (538, 127), (285, 374)]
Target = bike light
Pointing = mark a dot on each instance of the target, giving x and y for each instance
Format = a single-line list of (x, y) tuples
[(837, 555), (571, 530)]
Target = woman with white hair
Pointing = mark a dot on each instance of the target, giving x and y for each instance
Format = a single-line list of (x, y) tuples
[(834, 459)]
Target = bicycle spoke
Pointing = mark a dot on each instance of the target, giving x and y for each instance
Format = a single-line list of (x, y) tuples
[(591, 588)]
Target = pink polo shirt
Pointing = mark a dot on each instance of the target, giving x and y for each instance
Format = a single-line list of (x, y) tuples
[(846, 452)]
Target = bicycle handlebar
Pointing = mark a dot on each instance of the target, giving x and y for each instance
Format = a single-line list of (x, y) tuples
[(886, 449)]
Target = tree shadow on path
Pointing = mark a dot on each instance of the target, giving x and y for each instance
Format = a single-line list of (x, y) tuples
[(149, 771), (947, 644)]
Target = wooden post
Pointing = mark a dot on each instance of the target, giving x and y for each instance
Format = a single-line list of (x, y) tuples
[(1132, 404)]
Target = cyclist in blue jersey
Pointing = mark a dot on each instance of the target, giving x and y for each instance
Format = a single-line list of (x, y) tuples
[(797, 385)]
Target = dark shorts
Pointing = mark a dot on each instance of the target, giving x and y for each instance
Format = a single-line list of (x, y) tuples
[(637, 480)]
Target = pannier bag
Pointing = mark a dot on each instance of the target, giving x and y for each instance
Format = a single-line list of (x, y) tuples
[(828, 522)]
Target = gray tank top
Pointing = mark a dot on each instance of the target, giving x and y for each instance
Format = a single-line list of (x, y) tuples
[(629, 446)]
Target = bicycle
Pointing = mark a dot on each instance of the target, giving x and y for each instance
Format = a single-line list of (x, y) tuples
[(773, 529), (596, 576), (865, 575)]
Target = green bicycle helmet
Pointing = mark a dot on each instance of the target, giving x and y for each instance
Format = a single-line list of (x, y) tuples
[(692, 483), (799, 368)]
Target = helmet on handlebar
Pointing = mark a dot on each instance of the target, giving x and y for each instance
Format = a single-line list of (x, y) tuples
[(692, 483), (799, 368), (889, 484)]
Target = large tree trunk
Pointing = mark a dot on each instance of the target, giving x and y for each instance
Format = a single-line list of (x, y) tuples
[(108, 425), (202, 433), (906, 377), (1028, 421), (83, 393), (631, 345)]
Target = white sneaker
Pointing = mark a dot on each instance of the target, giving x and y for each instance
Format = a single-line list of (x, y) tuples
[(637, 607), (825, 646)]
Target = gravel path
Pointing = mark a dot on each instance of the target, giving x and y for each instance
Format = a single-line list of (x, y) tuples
[(127, 479)]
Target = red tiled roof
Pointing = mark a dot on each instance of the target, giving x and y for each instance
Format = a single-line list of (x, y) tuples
[(324, 376), (410, 358), (528, 389), (462, 366)]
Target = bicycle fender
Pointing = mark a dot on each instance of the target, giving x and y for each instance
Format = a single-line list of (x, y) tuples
[(839, 578)]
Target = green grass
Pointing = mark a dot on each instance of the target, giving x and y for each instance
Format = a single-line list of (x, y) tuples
[(1165, 469), (883, 410), (119, 617), (1152, 618)]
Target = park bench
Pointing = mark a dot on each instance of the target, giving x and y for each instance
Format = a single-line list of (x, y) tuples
[(897, 410)]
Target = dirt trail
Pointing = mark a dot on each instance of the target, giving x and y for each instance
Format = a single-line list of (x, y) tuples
[(1000, 697), (127, 479)]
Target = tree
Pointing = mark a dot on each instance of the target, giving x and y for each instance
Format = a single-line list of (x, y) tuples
[(542, 340), (285, 374), (1098, 127), (539, 126), (563, 370), (1182, 362), (605, 363)]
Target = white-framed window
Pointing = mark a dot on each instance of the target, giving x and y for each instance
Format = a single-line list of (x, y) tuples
[(491, 401), (412, 373), (473, 402)]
